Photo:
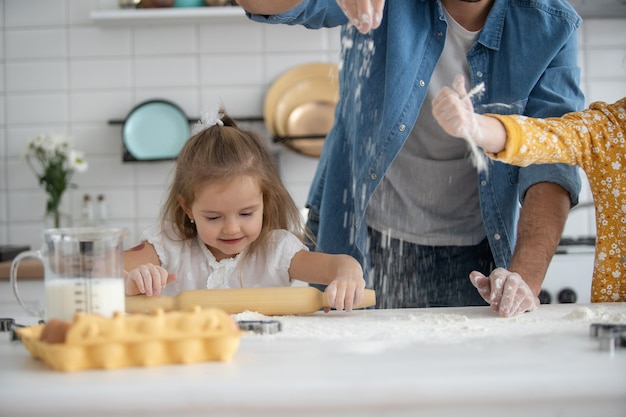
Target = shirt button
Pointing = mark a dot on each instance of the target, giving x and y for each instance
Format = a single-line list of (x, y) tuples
[(373, 175), (422, 83), (483, 183), (497, 236), (479, 74), (439, 34), (402, 128)]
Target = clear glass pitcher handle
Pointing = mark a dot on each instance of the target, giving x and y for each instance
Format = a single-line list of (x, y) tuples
[(14, 267)]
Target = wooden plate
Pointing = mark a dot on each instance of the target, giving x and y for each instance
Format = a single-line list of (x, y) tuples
[(311, 119), (315, 82), (317, 91)]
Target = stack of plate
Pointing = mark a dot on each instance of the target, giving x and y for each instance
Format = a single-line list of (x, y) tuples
[(299, 106)]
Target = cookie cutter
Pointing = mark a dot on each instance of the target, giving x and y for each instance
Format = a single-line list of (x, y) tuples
[(611, 336), (260, 326)]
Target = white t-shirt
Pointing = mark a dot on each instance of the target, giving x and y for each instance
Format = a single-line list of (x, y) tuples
[(429, 195), (196, 267)]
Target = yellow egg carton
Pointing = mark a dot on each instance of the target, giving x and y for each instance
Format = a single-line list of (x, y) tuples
[(160, 338)]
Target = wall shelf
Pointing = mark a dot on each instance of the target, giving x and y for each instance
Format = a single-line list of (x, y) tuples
[(170, 15)]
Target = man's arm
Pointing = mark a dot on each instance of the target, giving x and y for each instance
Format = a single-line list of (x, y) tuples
[(267, 7), (541, 223)]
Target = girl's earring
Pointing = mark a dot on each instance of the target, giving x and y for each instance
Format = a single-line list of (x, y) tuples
[(192, 221)]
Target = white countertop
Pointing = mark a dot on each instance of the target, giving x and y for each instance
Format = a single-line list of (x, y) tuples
[(432, 362)]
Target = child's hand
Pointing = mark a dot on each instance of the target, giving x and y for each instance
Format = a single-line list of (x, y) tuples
[(148, 279), (346, 290), (453, 110)]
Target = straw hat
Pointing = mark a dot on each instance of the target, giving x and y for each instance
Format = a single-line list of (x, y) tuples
[(301, 103)]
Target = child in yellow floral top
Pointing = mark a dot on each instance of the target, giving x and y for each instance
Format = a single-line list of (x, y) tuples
[(594, 139)]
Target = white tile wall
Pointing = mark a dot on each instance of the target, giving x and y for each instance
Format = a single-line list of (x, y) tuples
[(60, 72)]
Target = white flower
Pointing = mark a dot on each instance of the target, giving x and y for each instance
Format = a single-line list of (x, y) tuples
[(76, 161), (54, 161)]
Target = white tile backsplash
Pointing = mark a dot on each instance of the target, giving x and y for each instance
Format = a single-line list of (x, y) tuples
[(40, 108), (96, 42), (19, 135), (605, 63), (165, 40), (3, 153), (235, 70), (166, 71), (100, 105), (100, 74), (2, 107), (79, 11), (604, 33), (231, 38), (36, 76), (606, 90), (36, 44), (61, 72), (283, 38), (98, 139), (28, 13), (242, 101), (19, 177), (187, 98)]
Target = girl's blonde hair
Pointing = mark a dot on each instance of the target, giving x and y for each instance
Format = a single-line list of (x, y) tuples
[(224, 152)]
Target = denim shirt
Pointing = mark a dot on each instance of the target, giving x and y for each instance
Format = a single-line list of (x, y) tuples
[(526, 54)]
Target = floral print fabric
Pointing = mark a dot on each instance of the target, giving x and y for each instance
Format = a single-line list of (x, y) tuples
[(594, 139)]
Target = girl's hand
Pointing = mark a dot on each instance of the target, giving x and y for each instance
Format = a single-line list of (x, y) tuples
[(148, 279), (346, 290), (505, 291), (453, 110), (365, 15)]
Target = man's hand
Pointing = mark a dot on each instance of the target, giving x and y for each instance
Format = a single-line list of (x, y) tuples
[(365, 15), (505, 291)]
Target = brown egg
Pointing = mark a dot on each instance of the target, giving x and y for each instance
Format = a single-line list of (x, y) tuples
[(55, 331)]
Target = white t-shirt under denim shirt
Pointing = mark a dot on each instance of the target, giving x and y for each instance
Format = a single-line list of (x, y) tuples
[(196, 267), (429, 195)]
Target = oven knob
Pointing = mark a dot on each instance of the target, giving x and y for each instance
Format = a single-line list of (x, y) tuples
[(545, 297), (567, 296)]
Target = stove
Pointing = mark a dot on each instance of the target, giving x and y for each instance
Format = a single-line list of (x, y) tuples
[(568, 279)]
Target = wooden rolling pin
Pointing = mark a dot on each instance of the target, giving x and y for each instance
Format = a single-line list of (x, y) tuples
[(274, 301)]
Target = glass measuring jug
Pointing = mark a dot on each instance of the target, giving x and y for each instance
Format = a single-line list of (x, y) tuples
[(83, 272)]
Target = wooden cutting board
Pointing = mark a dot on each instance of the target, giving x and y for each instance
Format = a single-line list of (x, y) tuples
[(275, 301)]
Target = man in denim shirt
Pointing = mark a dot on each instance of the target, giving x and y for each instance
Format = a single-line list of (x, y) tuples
[(410, 205)]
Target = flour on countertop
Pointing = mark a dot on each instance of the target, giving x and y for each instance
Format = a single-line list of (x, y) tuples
[(389, 329), (600, 315)]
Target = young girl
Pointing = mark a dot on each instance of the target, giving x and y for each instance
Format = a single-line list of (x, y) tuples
[(229, 222), (594, 139)]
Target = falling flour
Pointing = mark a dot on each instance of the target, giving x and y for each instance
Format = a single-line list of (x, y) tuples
[(477, 157), (365, 47)]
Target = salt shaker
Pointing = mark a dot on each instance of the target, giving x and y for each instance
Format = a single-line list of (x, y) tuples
[(86, 212), (103, 212)]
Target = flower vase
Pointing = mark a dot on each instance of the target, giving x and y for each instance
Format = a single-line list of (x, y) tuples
[(56, 218)]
